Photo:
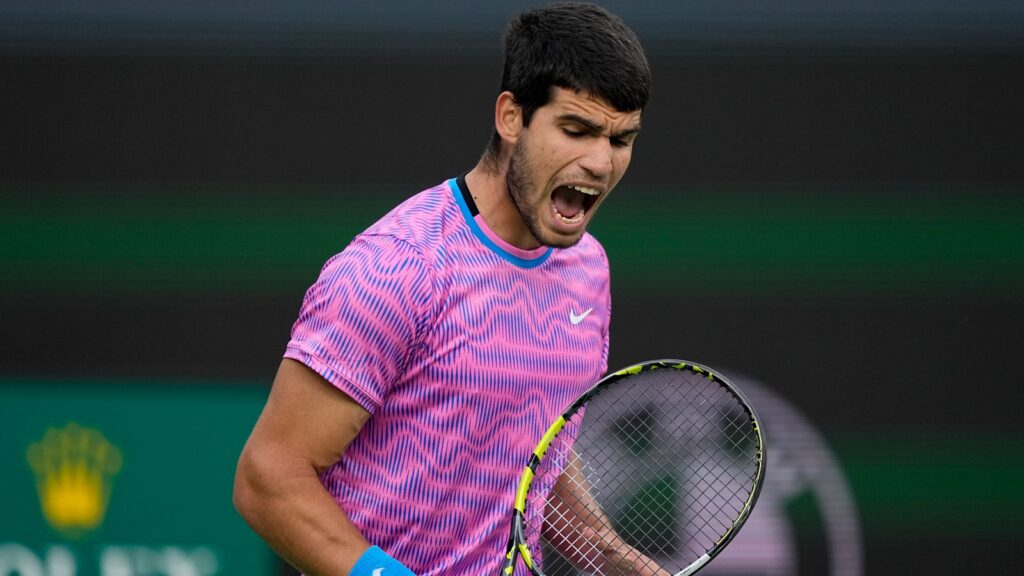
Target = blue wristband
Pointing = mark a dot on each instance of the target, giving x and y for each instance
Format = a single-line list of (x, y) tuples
[(376, 562)]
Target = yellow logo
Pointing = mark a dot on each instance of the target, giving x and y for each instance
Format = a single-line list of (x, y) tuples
[(74, 467)]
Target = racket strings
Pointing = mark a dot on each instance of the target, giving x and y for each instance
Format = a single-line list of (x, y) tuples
[(665, 465)]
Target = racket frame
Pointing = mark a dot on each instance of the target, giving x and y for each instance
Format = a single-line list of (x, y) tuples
[(517, 546)]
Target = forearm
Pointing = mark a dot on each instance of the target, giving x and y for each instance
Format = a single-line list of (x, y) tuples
[(578, 528), (599, 547), (286, 504), (583, 533)]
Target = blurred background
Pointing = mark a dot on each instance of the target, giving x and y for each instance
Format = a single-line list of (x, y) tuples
[(827, 203)]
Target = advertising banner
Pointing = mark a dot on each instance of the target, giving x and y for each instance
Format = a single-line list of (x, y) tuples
[(124, 479)]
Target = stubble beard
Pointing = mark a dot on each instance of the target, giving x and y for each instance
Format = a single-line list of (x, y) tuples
[(517, 184)]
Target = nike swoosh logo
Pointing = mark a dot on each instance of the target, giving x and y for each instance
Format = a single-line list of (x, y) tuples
[(577, 319), (377, 572)]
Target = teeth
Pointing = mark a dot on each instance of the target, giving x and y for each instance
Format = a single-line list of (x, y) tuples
[(585, 190)]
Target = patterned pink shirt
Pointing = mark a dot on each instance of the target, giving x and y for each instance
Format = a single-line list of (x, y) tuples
[(464, 349)]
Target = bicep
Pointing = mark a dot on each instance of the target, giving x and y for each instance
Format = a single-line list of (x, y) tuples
[(306, 419), (305, 426)]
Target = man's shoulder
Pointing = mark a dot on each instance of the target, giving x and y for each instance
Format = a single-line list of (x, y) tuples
[(588, 249), (420, 220)]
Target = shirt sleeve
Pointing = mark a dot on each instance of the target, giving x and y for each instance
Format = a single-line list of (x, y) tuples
[(362, 317)]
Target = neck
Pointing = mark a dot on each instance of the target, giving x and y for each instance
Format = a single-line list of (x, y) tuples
[(490, 192)]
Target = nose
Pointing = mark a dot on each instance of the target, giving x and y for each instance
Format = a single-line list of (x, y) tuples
[(597, 160)]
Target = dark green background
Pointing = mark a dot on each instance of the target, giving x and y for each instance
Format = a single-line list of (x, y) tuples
[(178, 444), (832, 203)]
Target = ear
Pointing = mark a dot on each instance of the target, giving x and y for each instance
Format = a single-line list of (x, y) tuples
[(508, 117)]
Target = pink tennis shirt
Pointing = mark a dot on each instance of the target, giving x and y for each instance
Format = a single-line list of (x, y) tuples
[(464, 349)]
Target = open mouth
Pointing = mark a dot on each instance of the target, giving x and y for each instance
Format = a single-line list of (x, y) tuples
[(572, 202)]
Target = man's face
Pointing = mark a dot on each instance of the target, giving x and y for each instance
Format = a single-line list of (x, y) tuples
[(566, 162)]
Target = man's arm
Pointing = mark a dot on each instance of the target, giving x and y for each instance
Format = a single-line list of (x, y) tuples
[(305, 427), (577, 527)]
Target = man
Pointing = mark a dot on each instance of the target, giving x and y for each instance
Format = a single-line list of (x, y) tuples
[(432, 353)]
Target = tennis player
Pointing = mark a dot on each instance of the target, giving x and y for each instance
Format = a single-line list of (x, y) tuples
[(433, 351)]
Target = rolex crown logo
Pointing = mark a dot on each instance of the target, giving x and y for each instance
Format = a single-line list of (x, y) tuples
[(74, 467)]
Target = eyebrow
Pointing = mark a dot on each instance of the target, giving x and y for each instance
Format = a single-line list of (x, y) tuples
[(595, 127)]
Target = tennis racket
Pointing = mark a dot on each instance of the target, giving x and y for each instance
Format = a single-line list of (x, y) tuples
[(650, 472)]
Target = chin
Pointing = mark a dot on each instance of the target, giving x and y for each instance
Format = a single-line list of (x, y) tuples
[(560, 241)]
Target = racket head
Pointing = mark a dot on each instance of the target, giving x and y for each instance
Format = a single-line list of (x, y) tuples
[(667, 457)]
